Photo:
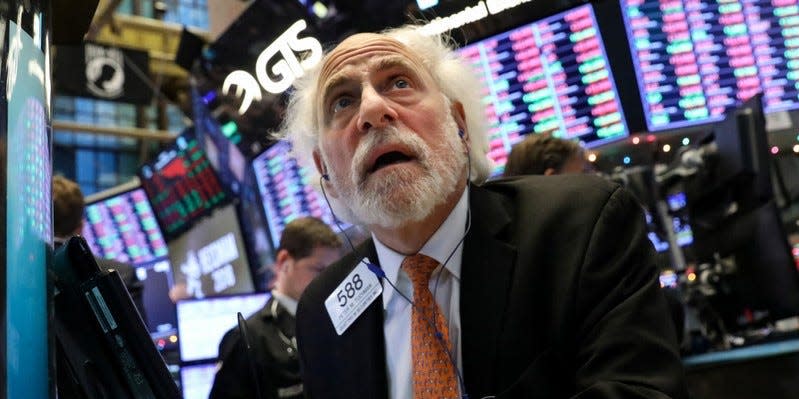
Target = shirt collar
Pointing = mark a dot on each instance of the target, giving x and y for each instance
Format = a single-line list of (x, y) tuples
[(289, 303), (438, 247)]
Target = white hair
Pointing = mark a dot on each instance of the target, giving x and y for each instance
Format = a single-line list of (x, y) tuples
[(455, 78)]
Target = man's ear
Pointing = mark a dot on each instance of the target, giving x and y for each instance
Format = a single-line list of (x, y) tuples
[(459, 115), (322, 169), (282, 260)]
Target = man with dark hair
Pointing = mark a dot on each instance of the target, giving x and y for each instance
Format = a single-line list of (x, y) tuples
[(68, 207), (307, 246), (540, 154)]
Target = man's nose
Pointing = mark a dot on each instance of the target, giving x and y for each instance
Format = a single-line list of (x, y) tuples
[(375, 111)]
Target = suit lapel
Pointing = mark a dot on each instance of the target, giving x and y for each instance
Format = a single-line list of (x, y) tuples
[(364, 350), (488, 262)]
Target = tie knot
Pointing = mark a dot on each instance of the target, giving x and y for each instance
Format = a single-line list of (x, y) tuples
[(419, 268)]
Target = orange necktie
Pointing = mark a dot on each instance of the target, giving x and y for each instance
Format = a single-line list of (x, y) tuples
[(433, 373)]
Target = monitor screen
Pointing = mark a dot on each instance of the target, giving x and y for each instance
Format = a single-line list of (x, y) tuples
[(196, 380), (255, 229), (548, 76), (210, 259), (203, 323), (25, 200), (122, 226), (181, 185), (285, 191), (676, 203), (695, 60), (159, 310), (219, 142)]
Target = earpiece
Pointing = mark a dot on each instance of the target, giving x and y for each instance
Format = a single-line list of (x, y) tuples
[(461, 133), (324, 172)]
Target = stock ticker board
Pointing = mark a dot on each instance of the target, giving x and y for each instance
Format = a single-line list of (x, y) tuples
[(182, 186), (123, 227), (694, 59), (286, 193), (550, 76)]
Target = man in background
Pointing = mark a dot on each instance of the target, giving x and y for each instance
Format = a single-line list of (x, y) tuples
[(307, 246), (542, 154), (68, 207)]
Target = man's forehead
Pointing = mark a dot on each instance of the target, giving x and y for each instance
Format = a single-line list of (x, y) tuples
[(364, 44)]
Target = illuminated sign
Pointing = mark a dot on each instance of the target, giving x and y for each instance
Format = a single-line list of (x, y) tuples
[(281, 75), (468, 15), (423, 4)]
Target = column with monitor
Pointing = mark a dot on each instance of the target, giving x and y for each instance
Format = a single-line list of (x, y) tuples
[(25, 205)]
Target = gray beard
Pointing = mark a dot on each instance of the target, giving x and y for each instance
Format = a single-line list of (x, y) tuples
[(401, 196)]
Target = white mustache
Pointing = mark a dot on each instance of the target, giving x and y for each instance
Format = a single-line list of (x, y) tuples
[(388, 136)]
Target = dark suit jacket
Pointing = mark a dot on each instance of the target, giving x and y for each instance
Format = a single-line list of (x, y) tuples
[(559, 299), (276, 361)]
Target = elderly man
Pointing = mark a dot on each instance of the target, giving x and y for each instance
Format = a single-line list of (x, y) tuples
[(523, 288)]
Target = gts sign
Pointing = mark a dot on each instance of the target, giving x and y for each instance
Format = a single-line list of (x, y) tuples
[(283, 71)]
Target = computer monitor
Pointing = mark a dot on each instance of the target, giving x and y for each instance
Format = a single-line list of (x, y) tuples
[(738, 170), (119, 224), (203, 323), (551, 75), (161, 317), (684, 236), (210, 259), (219, 142), (694, 61), (196, 380), (181, 185), (26, 235), (286, 193), (255, 228)]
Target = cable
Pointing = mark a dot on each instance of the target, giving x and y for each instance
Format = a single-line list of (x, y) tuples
[(381, 275)]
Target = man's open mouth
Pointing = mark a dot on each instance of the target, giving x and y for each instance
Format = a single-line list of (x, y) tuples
[(388, 159)]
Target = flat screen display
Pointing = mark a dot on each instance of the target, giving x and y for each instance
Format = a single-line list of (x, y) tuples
[(160, 313), (203, 323), (550, 76), (27, 234), (682, 229), (255, 229), (196, 380), (181, 185), (694, 60), (123, 227), (219, 142), (210, 259), (286, 193)]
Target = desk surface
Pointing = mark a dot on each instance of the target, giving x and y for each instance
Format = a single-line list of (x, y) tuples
[(743, 354)]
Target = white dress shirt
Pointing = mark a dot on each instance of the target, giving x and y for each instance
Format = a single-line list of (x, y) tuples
[(445, 286), (287, 302)]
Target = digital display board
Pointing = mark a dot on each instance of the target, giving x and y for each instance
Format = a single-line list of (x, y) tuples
[(285, 191), (550, 76), (123, 227), (210, 259), (27, 234), (695, 59), (181, 185)]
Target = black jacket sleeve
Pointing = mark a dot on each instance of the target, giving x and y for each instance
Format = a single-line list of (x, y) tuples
[(626, 344), (234, 378)]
